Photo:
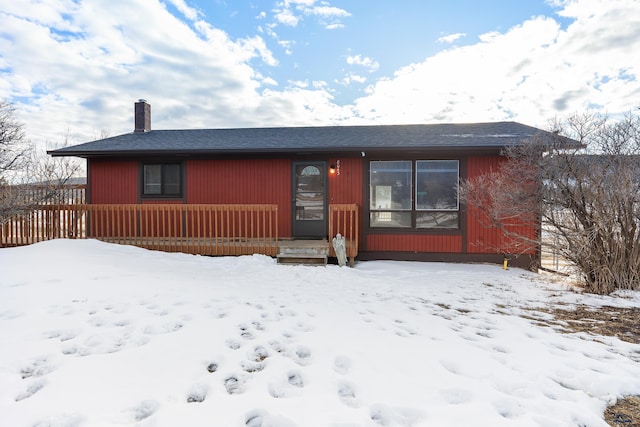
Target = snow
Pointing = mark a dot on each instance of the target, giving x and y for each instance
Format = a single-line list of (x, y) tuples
[(93, 334)]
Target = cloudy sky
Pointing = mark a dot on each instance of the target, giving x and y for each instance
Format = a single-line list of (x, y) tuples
[(74, 68)]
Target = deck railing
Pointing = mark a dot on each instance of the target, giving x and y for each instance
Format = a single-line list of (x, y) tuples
[(343, 219), (198, 229)]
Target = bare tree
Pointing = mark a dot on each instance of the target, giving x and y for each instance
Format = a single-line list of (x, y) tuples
[(12, 149), (586, 196), (28, 177)]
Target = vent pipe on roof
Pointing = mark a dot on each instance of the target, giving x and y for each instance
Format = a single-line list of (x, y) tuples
[(142, 116)]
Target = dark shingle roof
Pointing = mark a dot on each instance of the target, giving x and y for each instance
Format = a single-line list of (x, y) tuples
[(326, 139)]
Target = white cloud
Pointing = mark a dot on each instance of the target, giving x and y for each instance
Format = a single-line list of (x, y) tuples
[(189, 12), (287, 17), (365, 61), (90, 79), (257, 44), (451, 37), (531, 73), (291, 12), (334, 26), (329, 12), (78, 68), (353, 78)]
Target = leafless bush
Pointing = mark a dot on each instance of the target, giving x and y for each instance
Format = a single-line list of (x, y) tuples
[(587, 194), (28, 177), (12, 149)]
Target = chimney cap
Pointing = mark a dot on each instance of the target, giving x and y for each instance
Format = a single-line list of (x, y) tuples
[(142, 100)]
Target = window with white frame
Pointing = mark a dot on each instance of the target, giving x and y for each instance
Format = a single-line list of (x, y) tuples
[(419, 194)]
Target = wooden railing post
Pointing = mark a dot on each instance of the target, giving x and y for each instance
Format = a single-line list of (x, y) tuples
[(344, 219)]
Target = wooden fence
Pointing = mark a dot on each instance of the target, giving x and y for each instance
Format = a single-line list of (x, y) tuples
[(197, 229), (344, 219)]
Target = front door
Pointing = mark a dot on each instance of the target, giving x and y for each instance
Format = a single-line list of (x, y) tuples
[(309, 199)]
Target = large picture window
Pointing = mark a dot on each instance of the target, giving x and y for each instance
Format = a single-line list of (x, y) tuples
[(162, 179), (419, 194)]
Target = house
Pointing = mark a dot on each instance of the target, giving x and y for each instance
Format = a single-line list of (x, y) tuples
[(401, 180)]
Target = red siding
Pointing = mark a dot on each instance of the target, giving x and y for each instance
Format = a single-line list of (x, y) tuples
[(347, 186), (161, 201), (414, 243), (113, 181), (482, 239), (242, 181)]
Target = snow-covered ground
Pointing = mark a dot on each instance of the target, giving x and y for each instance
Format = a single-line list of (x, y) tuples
[(93, 334)]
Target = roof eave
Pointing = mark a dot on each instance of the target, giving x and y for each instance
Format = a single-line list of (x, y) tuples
[(271, 151)]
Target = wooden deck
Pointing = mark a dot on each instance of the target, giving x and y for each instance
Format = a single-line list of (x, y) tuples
[(217, 230)]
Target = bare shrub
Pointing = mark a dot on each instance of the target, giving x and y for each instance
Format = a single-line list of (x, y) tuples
[(586, 193), (28, 177)]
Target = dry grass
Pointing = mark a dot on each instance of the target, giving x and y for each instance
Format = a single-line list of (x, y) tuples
[(623, 323), (624, 413)]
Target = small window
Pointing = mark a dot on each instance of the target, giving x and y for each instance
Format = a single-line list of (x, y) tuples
[(162, 179)]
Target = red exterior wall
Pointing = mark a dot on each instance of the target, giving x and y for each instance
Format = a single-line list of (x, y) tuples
[(242, 181), (414, 243), (346, 187), (268, 181), (473, 238), (481, 239), (113, 181)]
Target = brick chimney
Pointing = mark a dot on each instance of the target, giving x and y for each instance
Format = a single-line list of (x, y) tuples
[(142, 116)]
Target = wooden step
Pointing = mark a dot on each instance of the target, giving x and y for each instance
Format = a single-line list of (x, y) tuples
[(304, 247), (302, 259), (303, 252)]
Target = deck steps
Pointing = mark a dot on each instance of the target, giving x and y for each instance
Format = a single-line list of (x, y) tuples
[(303, 252)]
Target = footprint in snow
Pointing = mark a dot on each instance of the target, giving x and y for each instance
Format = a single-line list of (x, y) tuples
[(259, 354), (261, 418), (251, 367), (257, 325), (197, 393), (288, 336), (456, 396), (291, 387), (233, 344), (37, 368), (122, 322), (347, 394), (342, 365), (69, 349), (395, 416), (277, 346), (295, 379), (245, 332), (64, 335), (302, 355), (143, 410), (304, 327), (508, 408), (32, 389), (165, 328), (234, 385)]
